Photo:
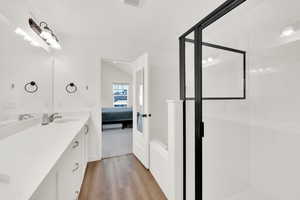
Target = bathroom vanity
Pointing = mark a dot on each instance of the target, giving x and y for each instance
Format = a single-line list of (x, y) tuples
[(45, 162)]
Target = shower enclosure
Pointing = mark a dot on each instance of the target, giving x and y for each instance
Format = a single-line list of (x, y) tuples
[(238, 83)]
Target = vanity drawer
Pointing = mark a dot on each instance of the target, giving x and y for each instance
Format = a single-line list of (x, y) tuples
[(47, 189), (69, 182), (70, 171), (77, 146)]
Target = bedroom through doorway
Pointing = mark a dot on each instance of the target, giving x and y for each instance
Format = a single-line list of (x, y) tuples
[(116, 100)]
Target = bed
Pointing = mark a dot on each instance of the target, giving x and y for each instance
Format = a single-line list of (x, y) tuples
[(117, 116)]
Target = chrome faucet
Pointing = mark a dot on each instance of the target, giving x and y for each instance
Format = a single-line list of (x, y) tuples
[(49, 119), (24, 117), (54, 116)]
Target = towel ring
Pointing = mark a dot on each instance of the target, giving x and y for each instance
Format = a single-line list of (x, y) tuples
[(71, 88), (31, 87)]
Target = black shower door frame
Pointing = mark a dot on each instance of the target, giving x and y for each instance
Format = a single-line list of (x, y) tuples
[(197, 29)]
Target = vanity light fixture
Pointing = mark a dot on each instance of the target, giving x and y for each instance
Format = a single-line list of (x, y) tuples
[(19, 31), (45, 33), (288, 31), (48, 35)]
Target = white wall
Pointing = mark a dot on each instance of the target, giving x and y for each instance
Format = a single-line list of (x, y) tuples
[(79, 62), (164, 85), (110, 75), (84, 71)]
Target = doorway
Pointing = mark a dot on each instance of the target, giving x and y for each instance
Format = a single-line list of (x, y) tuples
[(125, 108), (123, 173), (116, 100)]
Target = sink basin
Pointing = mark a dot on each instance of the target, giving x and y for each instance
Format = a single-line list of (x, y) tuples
[(65, 120)]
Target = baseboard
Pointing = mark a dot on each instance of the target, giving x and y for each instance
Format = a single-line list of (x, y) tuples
[(94, 158)]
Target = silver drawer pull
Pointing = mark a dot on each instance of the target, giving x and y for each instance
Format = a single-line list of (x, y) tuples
[(86, 131), (75, 145), (76, 167)]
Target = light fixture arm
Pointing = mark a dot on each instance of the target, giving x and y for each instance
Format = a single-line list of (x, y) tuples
[(43, 24)]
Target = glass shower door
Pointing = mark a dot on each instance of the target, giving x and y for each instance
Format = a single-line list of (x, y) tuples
[(251, 145)]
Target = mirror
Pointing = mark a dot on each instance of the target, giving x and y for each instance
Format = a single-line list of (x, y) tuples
[(25, 71)]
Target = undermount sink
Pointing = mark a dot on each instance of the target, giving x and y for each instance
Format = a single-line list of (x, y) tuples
[(65, 120)]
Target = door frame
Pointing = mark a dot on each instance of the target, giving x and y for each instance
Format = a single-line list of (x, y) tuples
[(197, 29)]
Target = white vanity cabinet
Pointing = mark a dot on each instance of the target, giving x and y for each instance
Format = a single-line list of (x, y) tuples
[(65, 179), (86, 141), (48, 189)]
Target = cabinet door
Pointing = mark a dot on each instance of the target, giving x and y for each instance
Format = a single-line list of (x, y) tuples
[(79, 173), (48, 189), (67, 188), (85, 147), (70, 170)]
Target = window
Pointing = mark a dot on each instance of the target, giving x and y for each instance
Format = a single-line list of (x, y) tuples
[(120, 94)]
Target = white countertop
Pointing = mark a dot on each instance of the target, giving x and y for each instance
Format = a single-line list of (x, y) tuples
[(27, 157)]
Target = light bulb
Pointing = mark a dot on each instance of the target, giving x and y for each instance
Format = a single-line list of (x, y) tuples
[(51, 40), (46, 34), (56, 45), (34, 43), (19, 31), (288, 31), (27, 38), (53, 43)]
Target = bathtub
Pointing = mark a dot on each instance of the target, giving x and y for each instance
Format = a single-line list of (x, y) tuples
[(159, 165), (166, 161)]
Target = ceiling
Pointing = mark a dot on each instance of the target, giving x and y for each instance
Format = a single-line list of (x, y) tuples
[(119, 31), (109, 29), (123, 66), (256, 24)]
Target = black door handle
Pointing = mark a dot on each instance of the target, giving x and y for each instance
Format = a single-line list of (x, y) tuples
[(146, 115)]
